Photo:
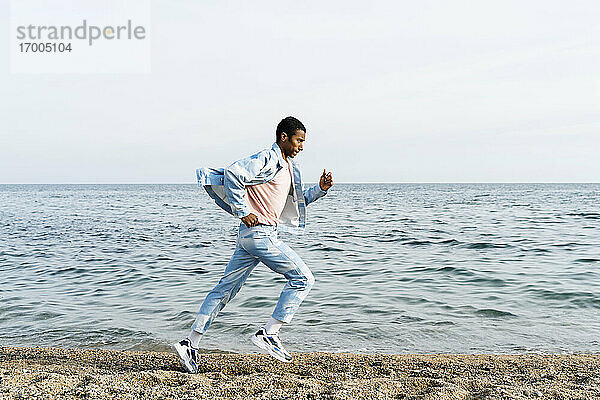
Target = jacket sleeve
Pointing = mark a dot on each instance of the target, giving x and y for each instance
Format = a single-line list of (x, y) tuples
[(237, 176), (313, 193)]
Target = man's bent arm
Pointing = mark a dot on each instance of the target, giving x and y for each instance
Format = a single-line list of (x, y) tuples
[(313, 193), (237, 176)]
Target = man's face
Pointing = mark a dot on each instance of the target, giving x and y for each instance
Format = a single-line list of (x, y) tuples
[(293, 145)]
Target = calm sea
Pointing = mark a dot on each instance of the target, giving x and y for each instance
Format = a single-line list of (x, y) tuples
[(400, 268)]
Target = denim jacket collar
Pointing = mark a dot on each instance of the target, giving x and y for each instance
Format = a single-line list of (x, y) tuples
[(280, 159)]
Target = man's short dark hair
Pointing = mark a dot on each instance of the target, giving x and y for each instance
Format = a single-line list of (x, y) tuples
[(289, 125)]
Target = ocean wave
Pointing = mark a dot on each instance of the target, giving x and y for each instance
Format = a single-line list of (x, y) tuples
[(454, 270), (487, 245), (321, 247), (493, 313), (450, 242), (589, 215), (573, 298), (414, 242)]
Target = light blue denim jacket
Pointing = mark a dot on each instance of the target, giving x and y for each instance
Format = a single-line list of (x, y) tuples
[(227, 186)]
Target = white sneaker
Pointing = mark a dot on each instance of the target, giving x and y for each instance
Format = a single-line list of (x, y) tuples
[(188, 356), (272, 344)]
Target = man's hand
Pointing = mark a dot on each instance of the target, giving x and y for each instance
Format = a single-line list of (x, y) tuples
[(250, 220), (326, 180)]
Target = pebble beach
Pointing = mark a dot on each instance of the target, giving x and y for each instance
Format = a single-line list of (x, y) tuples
[(57, 373)]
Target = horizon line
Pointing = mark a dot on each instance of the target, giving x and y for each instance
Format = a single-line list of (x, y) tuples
[(339, 183)]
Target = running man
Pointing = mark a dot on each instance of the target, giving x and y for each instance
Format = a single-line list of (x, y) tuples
[(265, 191)]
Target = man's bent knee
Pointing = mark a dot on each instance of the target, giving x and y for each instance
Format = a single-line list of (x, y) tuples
[(307, 280)]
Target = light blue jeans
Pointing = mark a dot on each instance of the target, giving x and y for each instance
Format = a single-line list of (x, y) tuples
[(253, 245)]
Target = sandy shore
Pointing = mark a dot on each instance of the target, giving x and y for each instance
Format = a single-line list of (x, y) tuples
[(102, 374)]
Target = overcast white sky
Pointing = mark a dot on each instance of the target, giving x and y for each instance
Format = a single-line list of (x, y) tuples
[(390, 91)]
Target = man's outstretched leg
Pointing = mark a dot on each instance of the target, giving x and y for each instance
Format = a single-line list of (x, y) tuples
[(279, 257), (238, 269)]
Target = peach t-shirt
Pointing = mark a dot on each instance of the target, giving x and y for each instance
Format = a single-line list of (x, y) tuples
[(267, 200)]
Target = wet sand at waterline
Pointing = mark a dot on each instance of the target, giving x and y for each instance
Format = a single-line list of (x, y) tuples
[(101, 374)]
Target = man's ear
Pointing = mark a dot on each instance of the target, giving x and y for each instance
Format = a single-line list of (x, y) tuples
[(283, 136)]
